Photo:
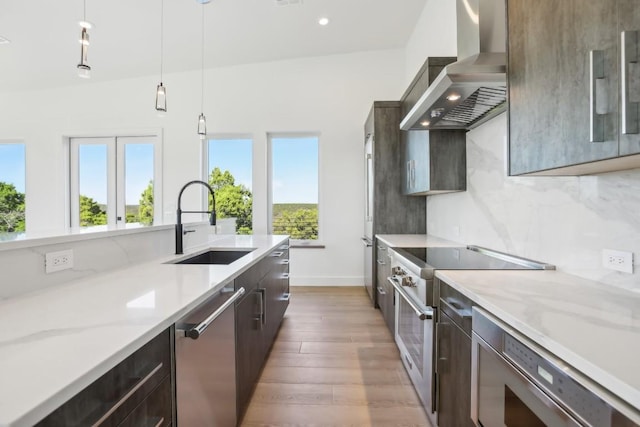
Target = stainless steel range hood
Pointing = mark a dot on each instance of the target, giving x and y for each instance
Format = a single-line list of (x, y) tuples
[(474, 89)]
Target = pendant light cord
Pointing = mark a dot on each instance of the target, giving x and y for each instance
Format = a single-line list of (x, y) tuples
[(202, 72), (84, 10), (161, 37)]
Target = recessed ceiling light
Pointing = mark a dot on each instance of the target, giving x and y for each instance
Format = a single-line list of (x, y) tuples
[(323, 21), (4, 40), (203, 1), (425, 123), (453, 97)]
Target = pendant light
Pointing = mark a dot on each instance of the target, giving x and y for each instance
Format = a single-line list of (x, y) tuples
[(161, 93), (84, 70), (202, 120)]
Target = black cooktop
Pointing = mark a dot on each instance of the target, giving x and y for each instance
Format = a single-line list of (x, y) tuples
[(462, 258)]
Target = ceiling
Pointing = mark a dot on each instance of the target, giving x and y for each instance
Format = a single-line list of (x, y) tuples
[(125, 40)]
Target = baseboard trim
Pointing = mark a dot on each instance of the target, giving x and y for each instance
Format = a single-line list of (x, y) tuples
[(326, 281)]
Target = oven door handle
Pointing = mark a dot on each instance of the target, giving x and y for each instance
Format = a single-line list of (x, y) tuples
[(423, 312)]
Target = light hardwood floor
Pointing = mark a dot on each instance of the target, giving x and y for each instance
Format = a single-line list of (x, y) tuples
[(334, 363)]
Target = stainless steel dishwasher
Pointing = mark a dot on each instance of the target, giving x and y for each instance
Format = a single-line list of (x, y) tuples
[(206, 362)]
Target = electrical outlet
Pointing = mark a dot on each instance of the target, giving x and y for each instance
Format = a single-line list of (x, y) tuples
[(58, 261), (617, 260)]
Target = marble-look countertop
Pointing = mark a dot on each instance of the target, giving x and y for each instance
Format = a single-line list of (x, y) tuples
[(55, 342), (592, 327), (415, 241)]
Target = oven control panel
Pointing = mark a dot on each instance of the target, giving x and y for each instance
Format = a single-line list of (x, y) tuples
[(571, 394)]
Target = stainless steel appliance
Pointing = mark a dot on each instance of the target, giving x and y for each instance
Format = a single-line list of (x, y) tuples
[(206, 362), (367, 239), (514, 382), (413, 272), (474, 89)]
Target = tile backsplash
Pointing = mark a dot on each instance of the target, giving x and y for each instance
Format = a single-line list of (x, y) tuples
[(566, 221)]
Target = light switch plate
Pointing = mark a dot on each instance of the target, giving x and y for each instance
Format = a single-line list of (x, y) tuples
[(617, 260), (58, 261)]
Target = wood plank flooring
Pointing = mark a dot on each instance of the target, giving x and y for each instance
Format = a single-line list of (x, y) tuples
[(334, 363)]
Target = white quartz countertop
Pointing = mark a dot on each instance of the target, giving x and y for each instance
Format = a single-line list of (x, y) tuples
[(55, 342), (593, 327), (415, 241)]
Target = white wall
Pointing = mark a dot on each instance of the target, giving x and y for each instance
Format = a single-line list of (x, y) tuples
[(565, 221), (330, 95), (434, 35)]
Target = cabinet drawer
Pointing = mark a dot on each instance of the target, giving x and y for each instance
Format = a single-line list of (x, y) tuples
[(154, 411), (109, 399)]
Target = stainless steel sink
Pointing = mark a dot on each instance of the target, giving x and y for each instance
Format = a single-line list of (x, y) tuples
[(216, 256)]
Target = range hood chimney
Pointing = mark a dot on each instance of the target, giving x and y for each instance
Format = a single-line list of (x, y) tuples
[(474, 89)]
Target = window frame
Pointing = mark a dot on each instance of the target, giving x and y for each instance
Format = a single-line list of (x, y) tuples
[(17, 141), (116, 195), (316, 243)]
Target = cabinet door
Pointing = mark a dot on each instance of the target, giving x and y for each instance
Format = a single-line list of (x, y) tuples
[(453, 374), (549, 46), (249, 346), (415, 162), (629, 21)]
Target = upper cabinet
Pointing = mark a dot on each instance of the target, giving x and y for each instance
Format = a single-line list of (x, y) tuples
[(569, 64), (432, 161)]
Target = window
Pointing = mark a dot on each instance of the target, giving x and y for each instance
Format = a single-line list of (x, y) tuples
[(115, 181), (294, 186), (12, 189), (228, 166)]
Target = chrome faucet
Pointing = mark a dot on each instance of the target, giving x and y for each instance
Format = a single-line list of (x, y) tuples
[(212, 212)]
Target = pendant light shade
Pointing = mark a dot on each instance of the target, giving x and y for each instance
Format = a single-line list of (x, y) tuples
[(161, 98), (161, 93), (84, 70), (202, 126)]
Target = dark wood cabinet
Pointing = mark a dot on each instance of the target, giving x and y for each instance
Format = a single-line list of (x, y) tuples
[(250, 349), (258, 318), (386, 295), (387, 210), (453, 352), (434, 162), (144, 378), (564, 62)]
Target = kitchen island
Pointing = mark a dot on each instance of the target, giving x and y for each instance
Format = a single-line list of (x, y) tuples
[(55, 342)]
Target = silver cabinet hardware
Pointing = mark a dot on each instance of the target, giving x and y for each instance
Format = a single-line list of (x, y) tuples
[(598, 107), (630, 113), (130, 393)]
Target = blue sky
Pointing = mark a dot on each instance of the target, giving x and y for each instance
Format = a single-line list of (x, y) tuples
[(12, 165), (93, 171), (295, 170), (295, 166)]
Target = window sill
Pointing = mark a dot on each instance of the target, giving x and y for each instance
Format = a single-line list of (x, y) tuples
[(305, 244)]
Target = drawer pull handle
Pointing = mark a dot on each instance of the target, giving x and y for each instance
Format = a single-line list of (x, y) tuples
[(195, 332), (381, 291), (382, 248), (285, 261), (285, 275), (286, 297), (277, 254), (381, 262), (126, 397)]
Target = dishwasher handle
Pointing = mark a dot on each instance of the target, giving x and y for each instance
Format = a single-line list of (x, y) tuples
[(195, 332)]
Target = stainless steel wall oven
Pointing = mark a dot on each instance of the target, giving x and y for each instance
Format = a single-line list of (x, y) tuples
[(514, 382)]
